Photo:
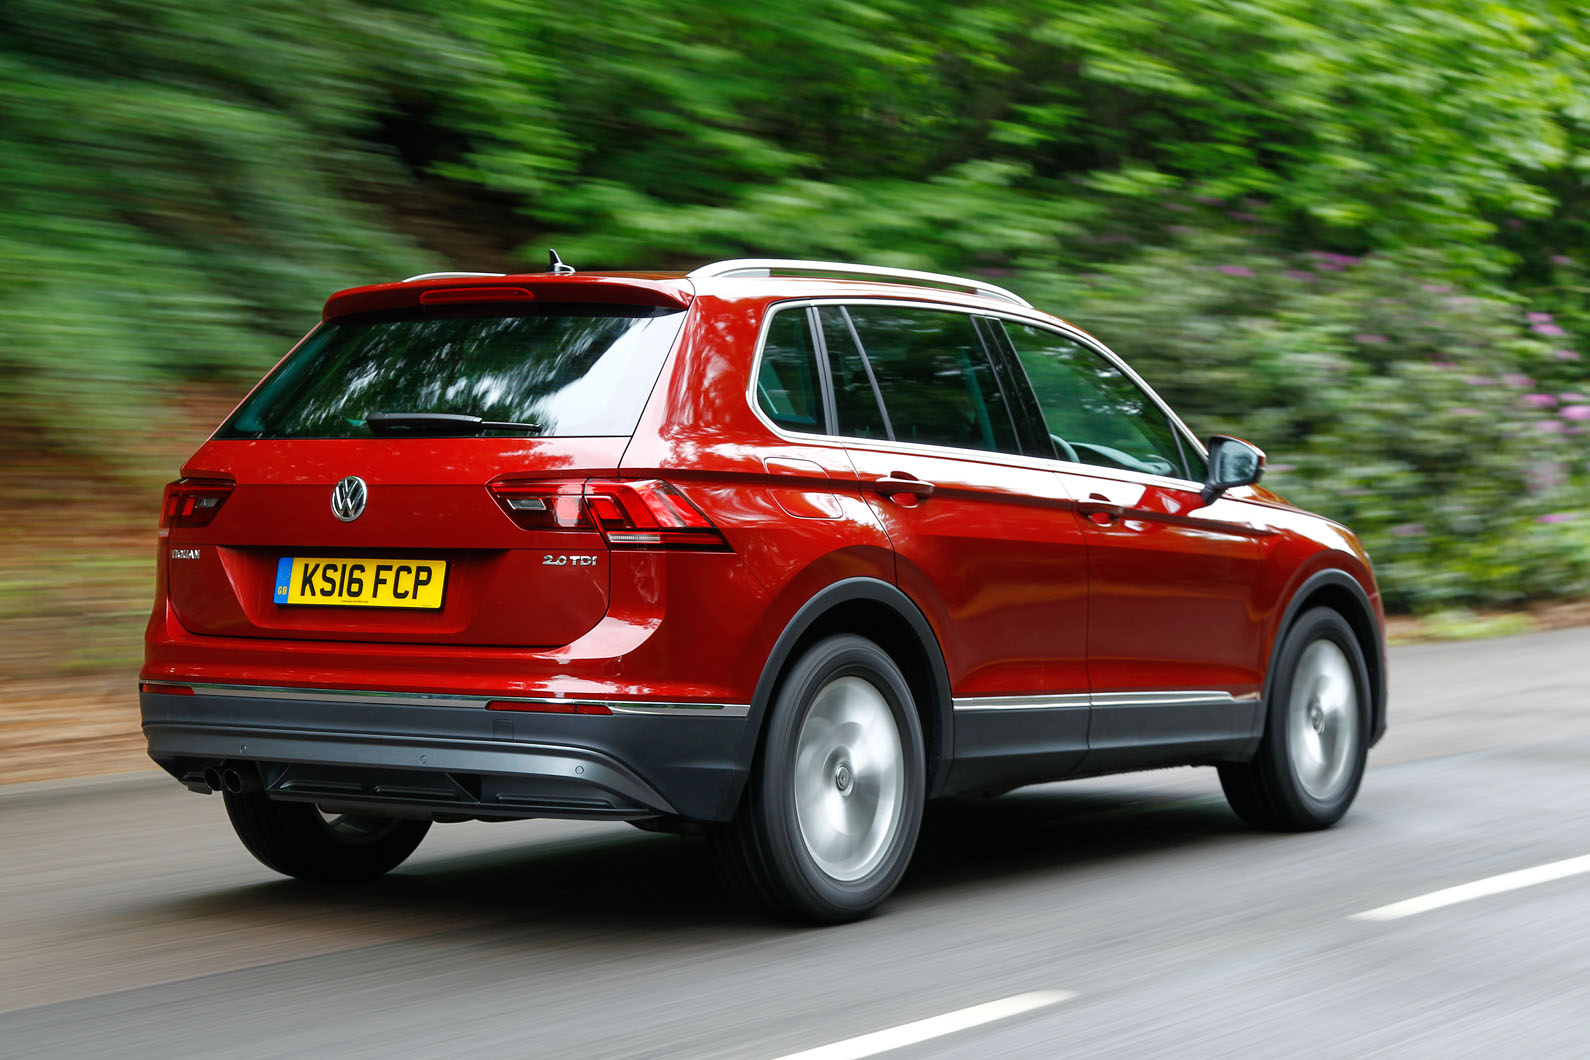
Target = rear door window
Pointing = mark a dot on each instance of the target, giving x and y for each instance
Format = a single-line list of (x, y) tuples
[(573, 370), (1094, 412), (937, 383)]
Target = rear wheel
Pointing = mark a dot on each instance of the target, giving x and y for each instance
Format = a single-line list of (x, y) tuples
[(832, 808), (297, 839), (1311, 761)]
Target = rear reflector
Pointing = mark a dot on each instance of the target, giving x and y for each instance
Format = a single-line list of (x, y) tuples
[(546, 707), (164, 690), (193, 501), (630, 513)]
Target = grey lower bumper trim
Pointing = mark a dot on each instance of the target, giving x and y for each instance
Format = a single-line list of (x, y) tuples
[(367, 750)]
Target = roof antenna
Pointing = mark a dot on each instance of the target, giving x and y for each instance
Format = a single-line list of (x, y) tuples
[(555, 265)]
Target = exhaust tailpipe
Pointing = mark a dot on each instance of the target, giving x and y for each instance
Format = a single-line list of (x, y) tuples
[(212, 778), (236, 782)]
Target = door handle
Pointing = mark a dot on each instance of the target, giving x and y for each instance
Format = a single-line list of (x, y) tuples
[(899, 482), (1099, 508)]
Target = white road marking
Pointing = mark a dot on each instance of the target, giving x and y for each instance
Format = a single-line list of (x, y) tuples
[(932, 1027), (1467, 892)]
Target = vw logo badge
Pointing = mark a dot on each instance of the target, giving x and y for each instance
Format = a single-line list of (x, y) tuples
[(348, 497)]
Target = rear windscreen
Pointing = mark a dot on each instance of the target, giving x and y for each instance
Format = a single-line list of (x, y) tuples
[(565, 369)]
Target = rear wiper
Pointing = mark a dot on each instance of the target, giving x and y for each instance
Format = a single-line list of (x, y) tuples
[(438, 423)]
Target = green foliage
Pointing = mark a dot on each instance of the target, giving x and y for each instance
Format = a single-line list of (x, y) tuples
[(1313, 223)]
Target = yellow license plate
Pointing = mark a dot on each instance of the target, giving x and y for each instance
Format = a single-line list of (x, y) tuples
[(361, 582)]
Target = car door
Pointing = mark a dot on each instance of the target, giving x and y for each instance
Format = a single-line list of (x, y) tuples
[(1174, 623), (986, 541)]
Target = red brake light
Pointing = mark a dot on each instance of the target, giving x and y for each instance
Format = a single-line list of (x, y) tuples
[(629, 513), (193, 501)]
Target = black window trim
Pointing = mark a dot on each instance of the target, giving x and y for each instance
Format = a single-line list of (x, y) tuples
[(984, 455), (825, 377)]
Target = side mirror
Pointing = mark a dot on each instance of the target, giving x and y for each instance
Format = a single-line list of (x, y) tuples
[(1232, 462)]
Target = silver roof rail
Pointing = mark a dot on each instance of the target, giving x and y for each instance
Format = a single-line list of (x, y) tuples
[(768, 266), (449, 275)]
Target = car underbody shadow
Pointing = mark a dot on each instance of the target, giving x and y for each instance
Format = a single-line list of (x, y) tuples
[(620, 878)]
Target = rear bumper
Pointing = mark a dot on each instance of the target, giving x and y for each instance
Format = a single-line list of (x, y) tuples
[(440, 755)]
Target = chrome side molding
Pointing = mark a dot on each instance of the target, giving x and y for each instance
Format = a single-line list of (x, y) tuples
[(1085, 700)]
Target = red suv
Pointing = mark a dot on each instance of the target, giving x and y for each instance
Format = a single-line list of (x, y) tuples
[(776, 551)]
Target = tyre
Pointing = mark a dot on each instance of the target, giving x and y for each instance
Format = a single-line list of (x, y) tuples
[(832, 808), (297, 839), (1311, 760)]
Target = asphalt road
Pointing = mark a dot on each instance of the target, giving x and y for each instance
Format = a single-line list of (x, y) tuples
[(1143, 917)]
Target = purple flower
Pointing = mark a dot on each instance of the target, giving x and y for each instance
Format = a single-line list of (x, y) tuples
[(1479, 380), (1557, 517), (1207, 200), (1554, 330), (1241, 215), (1575, 412), (1408, 530), (1178, 207), (1538, 318), (1513, 222), (1436, 288), (1567, 355), (1515, 379), (1443, 365), (1299, 275), (1572, 399), (1561, 259), (1369, 339), (1549, 426), (1235, 270), (1464, 410), (1539, 401)]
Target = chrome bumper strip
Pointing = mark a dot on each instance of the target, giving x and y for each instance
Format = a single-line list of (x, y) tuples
[(427, 699)]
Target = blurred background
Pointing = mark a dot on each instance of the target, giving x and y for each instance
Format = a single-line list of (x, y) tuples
[(1353, 232)]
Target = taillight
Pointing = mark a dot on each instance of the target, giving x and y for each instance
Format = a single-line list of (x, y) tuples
[(193, 501), (544, 505), (629, 513), (648, 513), (165, 690)]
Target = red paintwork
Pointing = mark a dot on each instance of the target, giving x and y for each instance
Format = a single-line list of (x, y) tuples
[(1035, 576)]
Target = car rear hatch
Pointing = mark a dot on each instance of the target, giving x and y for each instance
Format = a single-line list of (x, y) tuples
[(417, 471)]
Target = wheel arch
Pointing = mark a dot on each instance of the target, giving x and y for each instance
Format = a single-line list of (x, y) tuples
[(877, 610), (1341, 592)]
